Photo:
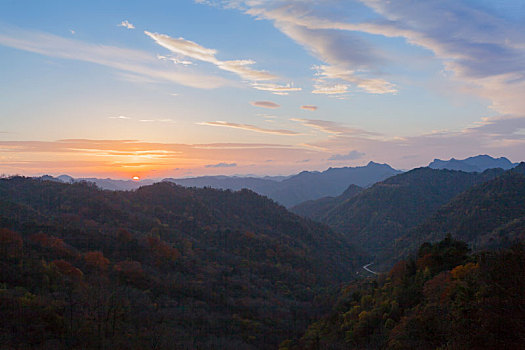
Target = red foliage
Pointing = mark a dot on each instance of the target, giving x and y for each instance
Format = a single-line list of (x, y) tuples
[(123, 235), (398, 272), (96, 260), (10, 243), (66, 269), (162, 250), (438, 288)]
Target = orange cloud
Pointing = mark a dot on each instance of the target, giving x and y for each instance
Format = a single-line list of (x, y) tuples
[(265, 104)]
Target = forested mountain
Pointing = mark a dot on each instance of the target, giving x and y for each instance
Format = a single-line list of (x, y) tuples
[(444, 299), (319, 208), (159, 267), (488, 215), (473, 164), (307, 185), (379, 215)]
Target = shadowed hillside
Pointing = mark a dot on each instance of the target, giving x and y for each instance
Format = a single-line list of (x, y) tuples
[(379, 215), (164, 265)]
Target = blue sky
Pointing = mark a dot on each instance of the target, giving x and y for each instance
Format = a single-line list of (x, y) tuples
[(173, 88)]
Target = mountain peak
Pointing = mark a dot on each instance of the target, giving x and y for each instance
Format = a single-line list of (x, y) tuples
[(477, 163)]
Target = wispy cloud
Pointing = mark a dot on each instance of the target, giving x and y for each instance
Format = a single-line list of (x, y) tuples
[(350, 62), (250, 127), (334, 128), (221, 165), (195, 51), (126, 24), (321, 87), (122, 117), (265, 104), (134, 63), (309, 107), (483, 51), (349, 59), (259, 79), (276, 88), (175, 60), (126, 158)]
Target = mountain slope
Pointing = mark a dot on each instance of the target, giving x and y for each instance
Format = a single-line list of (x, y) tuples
[(198, 268), (319, 208), (444, 299), (491, 214), (377, 216)]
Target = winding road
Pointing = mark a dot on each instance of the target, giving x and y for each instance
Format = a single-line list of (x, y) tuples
[(367, 269)]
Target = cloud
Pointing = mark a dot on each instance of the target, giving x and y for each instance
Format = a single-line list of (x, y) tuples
[(126, 158), (135, 64), (276, 88), (175, 60), (165, 120), (334, 128), (309, 108), (350, 60), (265, 104), (259, 79), (501, 136), (352, 155), (126, 24), (479, 47), (221, 165), (195, 51), (251, 128), (484, 51), (323, 88), (120, 117)]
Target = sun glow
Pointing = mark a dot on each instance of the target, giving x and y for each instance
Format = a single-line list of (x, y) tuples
[(135, 178)]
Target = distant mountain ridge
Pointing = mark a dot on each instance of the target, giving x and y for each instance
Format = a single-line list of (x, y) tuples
[(287, 191), (307, 185), (478, 163)]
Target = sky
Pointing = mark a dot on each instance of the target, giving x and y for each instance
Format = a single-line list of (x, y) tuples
[(266, 87)]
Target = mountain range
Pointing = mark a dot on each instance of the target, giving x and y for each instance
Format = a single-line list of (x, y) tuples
[(207, 268), (306, 185), (488, 215), (287, 191), (374, 218), (473, 164)]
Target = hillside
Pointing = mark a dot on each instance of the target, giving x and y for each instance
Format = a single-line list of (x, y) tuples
[(446, 298), (488, 215), (319, 208), (379, 215), (163, 265)]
